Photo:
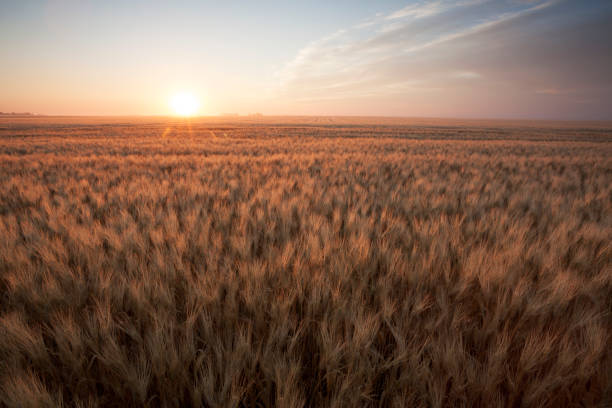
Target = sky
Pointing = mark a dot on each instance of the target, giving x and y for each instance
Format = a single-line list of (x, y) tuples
[(531, 59)]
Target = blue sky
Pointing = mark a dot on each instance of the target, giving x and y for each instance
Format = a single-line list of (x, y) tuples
[(546, 59)]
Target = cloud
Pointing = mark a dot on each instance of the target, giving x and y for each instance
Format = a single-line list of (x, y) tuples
[(418, 10), (425, 8), (554, 91), (510, 48), (466, 75)]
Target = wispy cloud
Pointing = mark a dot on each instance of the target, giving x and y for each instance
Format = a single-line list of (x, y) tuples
[(425, 8), (466, 75), (554, 91), (418, 10), (364, 54), (444, 45)]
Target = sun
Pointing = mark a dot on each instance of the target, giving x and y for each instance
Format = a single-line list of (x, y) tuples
[(184, 104)]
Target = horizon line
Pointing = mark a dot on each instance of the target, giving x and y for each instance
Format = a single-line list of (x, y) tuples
[(261, 115)]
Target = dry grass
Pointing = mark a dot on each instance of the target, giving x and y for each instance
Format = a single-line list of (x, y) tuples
[(334, 265)]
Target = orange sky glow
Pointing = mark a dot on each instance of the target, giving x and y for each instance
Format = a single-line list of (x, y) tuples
[(537, 59)]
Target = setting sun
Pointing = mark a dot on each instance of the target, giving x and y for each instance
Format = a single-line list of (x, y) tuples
[(184, 104)]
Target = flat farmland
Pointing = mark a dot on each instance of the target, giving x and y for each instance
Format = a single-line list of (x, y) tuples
[(304, 261)]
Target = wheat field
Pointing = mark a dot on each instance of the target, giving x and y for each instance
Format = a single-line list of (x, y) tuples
[(302, 262)]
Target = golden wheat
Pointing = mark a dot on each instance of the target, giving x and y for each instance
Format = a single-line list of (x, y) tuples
[(300, 263)]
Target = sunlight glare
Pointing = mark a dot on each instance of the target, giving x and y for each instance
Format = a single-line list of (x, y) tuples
[(184, 104)]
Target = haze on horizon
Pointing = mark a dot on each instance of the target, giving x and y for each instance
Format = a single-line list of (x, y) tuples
[(533, 59)]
